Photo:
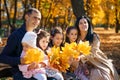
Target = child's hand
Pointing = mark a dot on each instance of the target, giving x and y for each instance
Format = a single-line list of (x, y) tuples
[(33, 65), (22, 61), (74, 65), (42, 64)]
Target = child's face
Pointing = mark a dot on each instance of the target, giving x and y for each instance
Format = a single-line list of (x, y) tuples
[(44, 42), (26, 46), (57, 39), (72, 35)]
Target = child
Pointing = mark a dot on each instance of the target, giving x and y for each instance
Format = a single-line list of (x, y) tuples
[(42, 43), (29, 42), (43, 40), (71, 36), (56, 39)]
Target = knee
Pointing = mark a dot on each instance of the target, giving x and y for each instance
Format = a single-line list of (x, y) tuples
[(59, 76)]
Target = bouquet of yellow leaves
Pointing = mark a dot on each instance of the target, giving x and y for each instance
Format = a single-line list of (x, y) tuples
[(61, 59), (84, 47), (54, 55), (33, 55), (63, 62), (70, 50), (58, 60)]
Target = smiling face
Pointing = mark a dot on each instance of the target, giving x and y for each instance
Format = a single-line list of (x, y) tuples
[(44, 43), (83, 24), (72, 35), (32, 20), (57, 39)]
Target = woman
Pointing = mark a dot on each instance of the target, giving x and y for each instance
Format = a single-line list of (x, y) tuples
[(100, 67)]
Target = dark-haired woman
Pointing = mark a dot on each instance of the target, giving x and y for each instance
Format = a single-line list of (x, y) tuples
[(100, 67)]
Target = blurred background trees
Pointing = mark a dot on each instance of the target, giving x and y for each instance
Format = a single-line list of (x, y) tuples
[(103, 13)]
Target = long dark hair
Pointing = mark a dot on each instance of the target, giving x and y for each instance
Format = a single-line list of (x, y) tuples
[(41, 34), (68, 31), (89, 36)]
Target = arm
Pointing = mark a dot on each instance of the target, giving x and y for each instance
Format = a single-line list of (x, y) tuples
[(23, 68), (9, 54), (95, 48)]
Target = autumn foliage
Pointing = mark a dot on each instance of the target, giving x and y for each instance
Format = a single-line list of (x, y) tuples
[(61, 59), (33, 55)]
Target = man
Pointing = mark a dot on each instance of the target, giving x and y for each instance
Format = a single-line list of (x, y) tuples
[(12, 51)]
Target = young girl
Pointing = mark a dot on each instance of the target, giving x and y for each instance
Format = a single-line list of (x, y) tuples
[(32, 69), (56, 39), (42, 43), (71, 34)]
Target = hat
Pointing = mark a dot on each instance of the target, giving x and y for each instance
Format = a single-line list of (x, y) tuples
[(30, 39)]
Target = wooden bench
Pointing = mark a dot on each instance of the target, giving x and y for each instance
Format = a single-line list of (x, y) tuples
[(4, 68)]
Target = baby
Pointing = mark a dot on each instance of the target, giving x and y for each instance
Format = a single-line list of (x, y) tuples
[(29, 42)]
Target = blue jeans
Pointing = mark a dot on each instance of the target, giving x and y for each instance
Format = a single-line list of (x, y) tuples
[(19, 76)]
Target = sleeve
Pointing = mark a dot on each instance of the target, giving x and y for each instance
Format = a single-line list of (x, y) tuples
[(8, 55), (46, 60), (95, 48), (23, 68)]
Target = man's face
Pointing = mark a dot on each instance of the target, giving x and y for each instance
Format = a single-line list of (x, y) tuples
[(33, 20)]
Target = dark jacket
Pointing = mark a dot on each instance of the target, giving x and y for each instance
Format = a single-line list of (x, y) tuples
[(12, 51)]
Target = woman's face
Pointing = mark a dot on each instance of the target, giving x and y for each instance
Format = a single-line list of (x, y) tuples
[(83, 24), (44, 43), (72, 35), (57, 39)]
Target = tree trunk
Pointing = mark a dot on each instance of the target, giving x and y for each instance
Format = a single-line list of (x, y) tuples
[(8, 16), (11, 24), (117, 21), (107, 15), (25, 7), (117, 26), (15, 12), (0, 15), (14, 18), (78, 7)]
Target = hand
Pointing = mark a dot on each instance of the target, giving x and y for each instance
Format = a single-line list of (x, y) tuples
[(83, 58), (42, 64), (22, 61), (33, 65), (75, 64)]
